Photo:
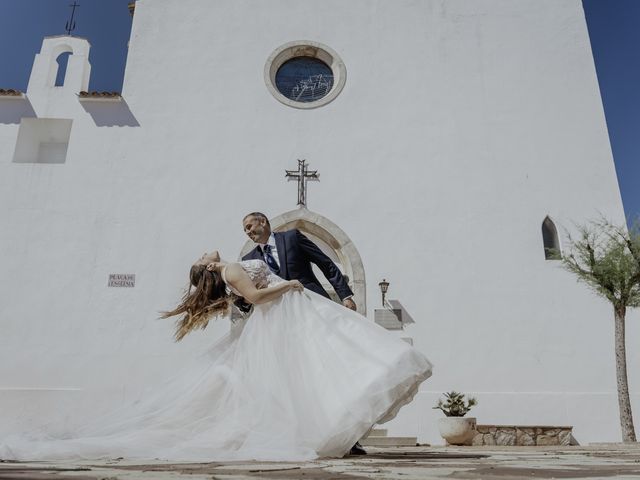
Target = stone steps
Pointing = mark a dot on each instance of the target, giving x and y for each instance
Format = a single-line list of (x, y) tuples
[(389, 442), (378, 438)]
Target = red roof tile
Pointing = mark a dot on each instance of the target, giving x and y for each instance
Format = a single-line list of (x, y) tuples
[(10, 92), (95, 94)]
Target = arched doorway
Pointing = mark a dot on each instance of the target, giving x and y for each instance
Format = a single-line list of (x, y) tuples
[(333, 242)]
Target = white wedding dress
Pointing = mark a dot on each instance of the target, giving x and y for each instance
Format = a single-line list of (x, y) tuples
[(301, 378)]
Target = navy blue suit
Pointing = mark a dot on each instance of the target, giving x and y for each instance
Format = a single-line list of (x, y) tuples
[(296, 253)]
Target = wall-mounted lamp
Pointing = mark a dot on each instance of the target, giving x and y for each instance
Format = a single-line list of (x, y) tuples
[(384, 287)]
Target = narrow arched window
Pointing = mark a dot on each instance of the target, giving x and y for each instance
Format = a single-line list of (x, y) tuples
[(63, 60), (550, 240)]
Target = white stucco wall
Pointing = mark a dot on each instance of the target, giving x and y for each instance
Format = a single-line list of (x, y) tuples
[(462, 124)]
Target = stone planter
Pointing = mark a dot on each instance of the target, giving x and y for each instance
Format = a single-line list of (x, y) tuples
[(457, 430)]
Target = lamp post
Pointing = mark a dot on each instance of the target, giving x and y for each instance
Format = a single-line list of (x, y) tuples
[(384, 286)]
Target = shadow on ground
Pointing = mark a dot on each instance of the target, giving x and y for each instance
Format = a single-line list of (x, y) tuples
[(390, 455)]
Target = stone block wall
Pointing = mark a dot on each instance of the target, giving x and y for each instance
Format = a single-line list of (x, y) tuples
[(511, 435)]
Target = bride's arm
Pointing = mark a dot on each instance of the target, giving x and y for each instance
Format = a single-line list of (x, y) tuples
[(240, 281)]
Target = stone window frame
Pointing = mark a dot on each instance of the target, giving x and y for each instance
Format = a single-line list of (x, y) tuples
[(305, 48), (56, 53), (34, 133), (61, 69), (323, 228), (550, 239)]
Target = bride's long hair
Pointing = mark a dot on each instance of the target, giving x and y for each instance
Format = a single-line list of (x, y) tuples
[(208, 299)]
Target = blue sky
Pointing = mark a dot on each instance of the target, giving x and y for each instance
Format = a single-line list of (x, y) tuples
[(614, 29)]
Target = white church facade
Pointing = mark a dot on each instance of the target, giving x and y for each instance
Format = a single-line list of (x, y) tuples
[(454, 143)]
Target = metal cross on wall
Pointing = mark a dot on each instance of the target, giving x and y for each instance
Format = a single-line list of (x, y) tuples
[(302, 175)]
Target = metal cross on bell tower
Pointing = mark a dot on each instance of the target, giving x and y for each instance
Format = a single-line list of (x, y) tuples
[(70, 26), (302, 175)]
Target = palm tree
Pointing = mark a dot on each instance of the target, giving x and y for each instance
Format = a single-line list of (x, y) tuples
[(607, 258)]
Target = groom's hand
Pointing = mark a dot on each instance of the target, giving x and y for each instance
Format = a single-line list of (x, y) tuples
[(349, 303), (243, 305)]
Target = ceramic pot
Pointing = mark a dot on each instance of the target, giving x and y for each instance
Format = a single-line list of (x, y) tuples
[(457, 430)]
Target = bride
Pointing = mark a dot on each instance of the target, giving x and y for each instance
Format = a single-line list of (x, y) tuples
[(301, 378)]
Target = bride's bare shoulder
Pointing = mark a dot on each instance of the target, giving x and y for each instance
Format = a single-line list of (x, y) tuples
[(234, 271)]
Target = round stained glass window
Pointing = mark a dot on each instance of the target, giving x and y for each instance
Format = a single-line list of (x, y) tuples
[(304, 74), (304, 79)]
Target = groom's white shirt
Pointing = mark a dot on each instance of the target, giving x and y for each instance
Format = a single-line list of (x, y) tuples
[(274, 250)]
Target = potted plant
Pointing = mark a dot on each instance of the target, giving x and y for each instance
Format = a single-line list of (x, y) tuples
[(455, 429)]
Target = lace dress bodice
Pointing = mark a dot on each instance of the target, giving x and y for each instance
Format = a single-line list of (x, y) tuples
[(258, 272)]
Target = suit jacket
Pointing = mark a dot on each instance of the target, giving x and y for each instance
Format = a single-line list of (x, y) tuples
[(296, 253)]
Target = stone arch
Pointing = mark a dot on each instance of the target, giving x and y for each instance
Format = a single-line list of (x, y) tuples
[(61, 48), (332, 237)]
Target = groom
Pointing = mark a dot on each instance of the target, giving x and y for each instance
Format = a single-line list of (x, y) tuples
[(289, 255)]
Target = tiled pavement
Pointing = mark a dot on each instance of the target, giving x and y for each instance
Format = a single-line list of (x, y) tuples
[(407, 463)]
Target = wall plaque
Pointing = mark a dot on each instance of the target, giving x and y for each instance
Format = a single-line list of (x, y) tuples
[(122, 280)]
